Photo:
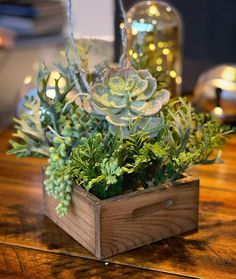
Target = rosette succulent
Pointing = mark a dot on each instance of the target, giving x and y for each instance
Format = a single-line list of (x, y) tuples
[(127, 94)]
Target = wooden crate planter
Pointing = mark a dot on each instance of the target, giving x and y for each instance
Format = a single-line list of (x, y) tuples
[(108, 227)]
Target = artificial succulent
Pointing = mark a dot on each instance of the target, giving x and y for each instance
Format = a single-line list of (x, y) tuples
[(126, 95)]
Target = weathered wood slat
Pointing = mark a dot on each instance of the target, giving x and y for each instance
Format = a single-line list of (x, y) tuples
[(80, 221)]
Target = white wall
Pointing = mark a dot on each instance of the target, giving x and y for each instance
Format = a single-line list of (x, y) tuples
[(94, 18)]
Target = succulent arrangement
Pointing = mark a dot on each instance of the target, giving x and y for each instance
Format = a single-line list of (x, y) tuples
[(111, 132), (119, 134)]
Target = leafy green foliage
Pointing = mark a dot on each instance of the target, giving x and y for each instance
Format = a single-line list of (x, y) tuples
[(94, 166), (51, 127), (31, 133), (207, 136), (41, 112), (146, 161), (73, 127), (136, 142), (57, 184)]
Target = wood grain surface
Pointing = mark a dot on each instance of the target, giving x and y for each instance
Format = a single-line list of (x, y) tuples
[(32, 246)]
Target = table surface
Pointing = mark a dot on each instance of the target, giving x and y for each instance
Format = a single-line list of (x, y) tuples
[(32, 246)]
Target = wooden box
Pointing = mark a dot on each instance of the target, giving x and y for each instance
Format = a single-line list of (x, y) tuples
[(111, 226)]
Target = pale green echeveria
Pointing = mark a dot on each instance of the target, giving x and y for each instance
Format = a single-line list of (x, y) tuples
[(127, 95)]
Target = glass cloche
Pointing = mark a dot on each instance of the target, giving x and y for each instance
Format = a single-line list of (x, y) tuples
[(154, 41)]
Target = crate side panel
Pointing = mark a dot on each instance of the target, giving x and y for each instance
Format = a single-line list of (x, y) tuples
[(139, 220), (79, 223)]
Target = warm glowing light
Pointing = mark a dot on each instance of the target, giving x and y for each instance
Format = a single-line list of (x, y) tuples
[(224, 84), (1, 41), (229, 74), (135, 55), (160, 44), (51, 93), (173, 74), (159, 61), (178, 80), (153, 11), (122, 25), (168, 9), (131, 52), (129, 19), (218, 111), (159, 68), (154, 21), (27, 80), (165, 51), (134, 31), (152, 47)]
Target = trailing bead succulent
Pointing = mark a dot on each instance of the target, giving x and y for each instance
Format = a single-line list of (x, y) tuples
[(125, 95), (116, 135)]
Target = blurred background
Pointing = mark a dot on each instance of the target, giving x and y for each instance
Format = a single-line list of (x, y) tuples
[(32, 31), (209, 35)]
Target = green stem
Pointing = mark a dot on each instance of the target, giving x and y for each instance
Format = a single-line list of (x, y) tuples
[(54, 119)]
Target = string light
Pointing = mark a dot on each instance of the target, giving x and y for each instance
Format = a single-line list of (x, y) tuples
[(153, 11), (218, 111), (122, 25), (158, 43), (152, 47), (178, 80), (159, 61), (165, 51), (135, 55), (173, 74)]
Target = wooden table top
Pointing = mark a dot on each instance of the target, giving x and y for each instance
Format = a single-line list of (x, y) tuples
[(31, 246)]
